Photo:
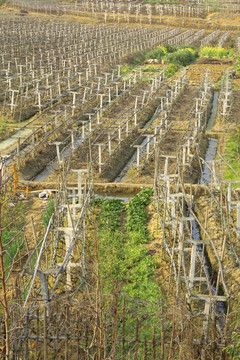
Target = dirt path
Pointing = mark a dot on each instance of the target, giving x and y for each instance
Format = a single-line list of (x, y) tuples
[(216, 70)]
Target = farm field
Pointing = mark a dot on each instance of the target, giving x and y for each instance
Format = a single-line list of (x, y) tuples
[(119, 180)]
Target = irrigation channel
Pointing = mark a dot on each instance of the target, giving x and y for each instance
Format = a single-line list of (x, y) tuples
[(219, 308)]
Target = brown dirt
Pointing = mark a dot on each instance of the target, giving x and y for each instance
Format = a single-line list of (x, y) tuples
[(213, 61), (182, 107), (196, 71), (228, 124)]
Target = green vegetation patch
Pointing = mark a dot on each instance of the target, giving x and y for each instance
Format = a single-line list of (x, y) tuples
[(183, 57), (237, 64), (50, 208), (175, 56), (124, 260), (216, 52), (232, 154), (3, 124), (233, 350), (13, 232), (126, 69)]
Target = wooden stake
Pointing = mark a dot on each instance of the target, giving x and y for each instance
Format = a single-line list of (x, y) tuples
[(45, 333)]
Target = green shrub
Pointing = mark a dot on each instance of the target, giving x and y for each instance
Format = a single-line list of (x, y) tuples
[(158, 53), (182, 57), (170, 48)]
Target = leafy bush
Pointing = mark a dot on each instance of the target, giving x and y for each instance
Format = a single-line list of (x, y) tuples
[(182, 57), (158, 53), (170, 48)]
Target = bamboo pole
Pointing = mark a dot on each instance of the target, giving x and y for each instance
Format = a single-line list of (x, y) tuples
[(123, 330), (136, 341), (5, 351), (45, 356)]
